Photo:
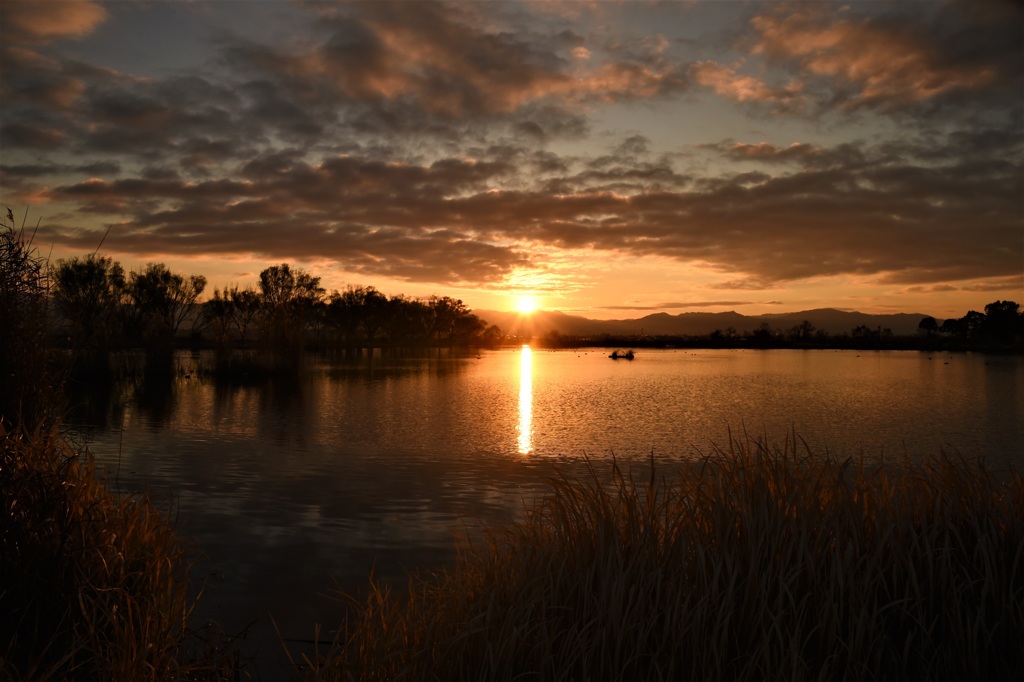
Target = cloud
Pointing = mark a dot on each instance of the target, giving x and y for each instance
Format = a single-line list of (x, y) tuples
[(767, 152), (727, 82), (444, 60), (890, 60), (902, 223), (463, 143), (744, 284), (31, 136), (30, 21), (385, 75), (30, 78), (936, 288), (676, 305), (48, 169), (1011, 283)]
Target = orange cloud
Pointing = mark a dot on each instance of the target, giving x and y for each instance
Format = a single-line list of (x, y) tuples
[(881, 62), (452, 65), (32, 22), (765, 151), (739, 88)]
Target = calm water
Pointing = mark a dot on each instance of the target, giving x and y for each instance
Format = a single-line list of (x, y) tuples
[(291, 491)]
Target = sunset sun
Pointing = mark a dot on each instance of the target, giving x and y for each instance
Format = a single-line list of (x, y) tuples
[(526, 304)]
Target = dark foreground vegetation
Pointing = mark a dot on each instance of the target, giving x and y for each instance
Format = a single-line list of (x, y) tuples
[(93, 584), (755, 562)]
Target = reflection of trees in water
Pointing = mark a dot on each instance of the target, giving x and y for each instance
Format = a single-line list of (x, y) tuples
[(94, 406), (285, 411), (389, 363), (154, 396), (98, 402), (281, 409)]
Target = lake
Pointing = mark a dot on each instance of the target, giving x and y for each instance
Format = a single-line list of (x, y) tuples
[(294, 490)]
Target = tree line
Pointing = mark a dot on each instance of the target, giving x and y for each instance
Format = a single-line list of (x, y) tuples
[(1002, 324), (285, 313), (289, 311), (999, 328)]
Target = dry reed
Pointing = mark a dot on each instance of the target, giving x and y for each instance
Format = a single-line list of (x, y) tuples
[(755, 563), (93, 585)]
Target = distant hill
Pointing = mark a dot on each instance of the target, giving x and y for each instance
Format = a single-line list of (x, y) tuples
[(696, 324)]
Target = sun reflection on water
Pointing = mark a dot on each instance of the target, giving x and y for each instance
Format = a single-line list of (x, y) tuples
[(526, 402)]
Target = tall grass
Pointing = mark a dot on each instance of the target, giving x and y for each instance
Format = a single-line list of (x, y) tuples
[(93, 585), (28, 379), (756, 562)]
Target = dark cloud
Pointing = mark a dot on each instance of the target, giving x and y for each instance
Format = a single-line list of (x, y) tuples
[(949, 53), (107, 168), (31, 80), (415, 68), (902, 59), (417, 141), (29, 135), (902, 223)]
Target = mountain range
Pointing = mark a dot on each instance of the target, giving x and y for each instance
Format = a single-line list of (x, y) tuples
[(830, 320)]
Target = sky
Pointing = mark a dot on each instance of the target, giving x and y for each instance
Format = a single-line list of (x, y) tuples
[(608, 159)]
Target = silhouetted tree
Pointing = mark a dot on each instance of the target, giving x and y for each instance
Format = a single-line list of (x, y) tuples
[(972, 324), (343, 315), (467, 330), (219, 312), (1003, 322), (445, 313), (89, 292), (245, 308), (406, 322), (802, 332), (229, 314), (371, 308), (763, 335), (492, 337), (317, 320), (928, 326), (161, 300), (289, 298), (952, 326)]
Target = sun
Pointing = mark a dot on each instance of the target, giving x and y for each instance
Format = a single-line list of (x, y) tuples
[(526, 304)]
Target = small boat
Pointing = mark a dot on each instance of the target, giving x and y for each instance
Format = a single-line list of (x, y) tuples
[(621, 355)]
